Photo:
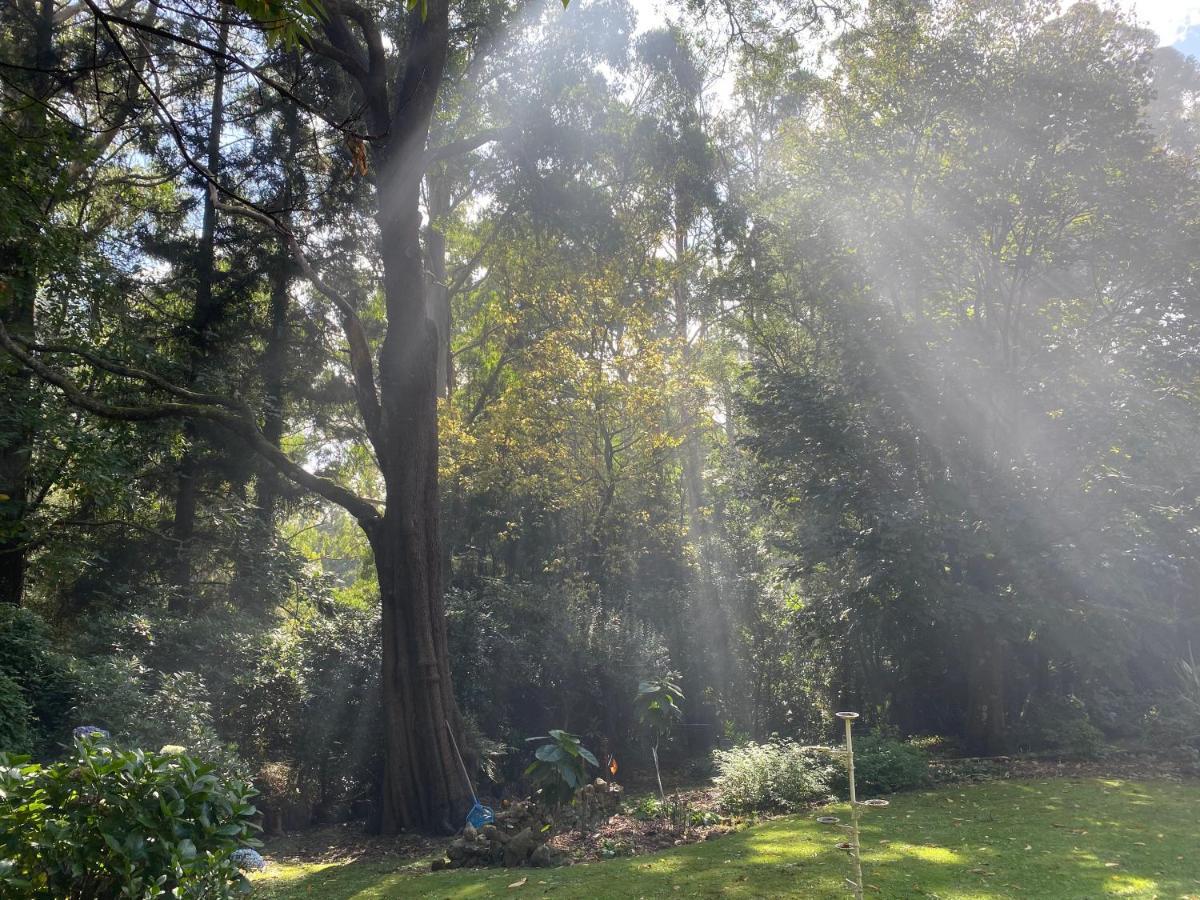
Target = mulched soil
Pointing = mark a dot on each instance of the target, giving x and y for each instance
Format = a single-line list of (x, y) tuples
[(625, 834), (1115, 765), (349, 842), (628, 835)]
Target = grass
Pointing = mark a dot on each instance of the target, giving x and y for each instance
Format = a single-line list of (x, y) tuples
[(1060, 838)]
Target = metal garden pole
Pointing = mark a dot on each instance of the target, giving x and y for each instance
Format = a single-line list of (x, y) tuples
[(852, 846)]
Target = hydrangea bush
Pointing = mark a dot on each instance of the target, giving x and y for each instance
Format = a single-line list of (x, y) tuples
[(248, 859), (93, 731), (106, 822)]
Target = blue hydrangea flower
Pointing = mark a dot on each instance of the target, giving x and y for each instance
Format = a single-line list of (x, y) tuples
[(83, 731), (248, 860)]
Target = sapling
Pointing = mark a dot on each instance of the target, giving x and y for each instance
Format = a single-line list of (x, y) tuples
[(657, 703)]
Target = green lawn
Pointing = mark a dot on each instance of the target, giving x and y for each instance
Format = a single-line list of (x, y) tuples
[(1083, 838)]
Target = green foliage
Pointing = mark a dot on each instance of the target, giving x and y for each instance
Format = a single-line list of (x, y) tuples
[(517, 658), (559, 767), (648, 808), (40, 675), (776, 775), (15, 718), (288, 22), (109, 823), (1061, 726), (143, 707), (657, 705), (307, 698), (966, 503), (884, 765)]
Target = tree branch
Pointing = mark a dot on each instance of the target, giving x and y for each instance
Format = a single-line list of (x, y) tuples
[(240, 423), (125, 371), (464, 145), (362, 369)]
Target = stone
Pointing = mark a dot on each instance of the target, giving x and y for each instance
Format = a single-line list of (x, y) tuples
[(519, 847)]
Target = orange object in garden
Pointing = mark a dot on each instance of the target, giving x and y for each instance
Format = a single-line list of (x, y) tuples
[(612, 765)]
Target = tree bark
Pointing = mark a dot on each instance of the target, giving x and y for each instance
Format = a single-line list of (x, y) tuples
[(205, 313), (275, 356), (18, 290), (986, 729), (274, 367), (438, 287), (422, 786), (713, 615), (16, 431)]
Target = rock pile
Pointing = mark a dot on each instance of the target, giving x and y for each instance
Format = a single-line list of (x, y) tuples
[(519, 834), (595, 803)]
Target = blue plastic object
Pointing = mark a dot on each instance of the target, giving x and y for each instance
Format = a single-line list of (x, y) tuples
[(480, 815)]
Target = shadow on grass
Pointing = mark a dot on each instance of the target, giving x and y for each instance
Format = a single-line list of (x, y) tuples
[(1055, 839)]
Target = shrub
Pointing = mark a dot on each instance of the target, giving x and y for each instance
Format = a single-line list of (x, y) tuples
[(884, 765), (143, 707), (648, 808), (107, 823), (40, 675), (559, 767), (1060, 726), (1078, 737), (776, 775), (15, 718)]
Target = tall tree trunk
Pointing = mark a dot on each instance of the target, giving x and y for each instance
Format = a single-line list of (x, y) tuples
[(274, 370), (986, 730), (205, 313), (16, 426), (275, 356), (712, 612), (18, 291), (422, 786), (438, 289)]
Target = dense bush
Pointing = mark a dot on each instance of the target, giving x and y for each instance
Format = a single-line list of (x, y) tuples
[(33, 677), (1061, 726), (16, 718), (147, 708), (883, 765), (107, 823), (777, 775), (305, 712), (523, 665)]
